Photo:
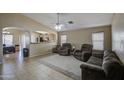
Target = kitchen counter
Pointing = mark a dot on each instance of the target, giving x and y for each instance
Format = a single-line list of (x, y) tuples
[(37, 49)]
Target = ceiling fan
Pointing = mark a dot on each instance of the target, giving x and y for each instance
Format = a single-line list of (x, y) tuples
[(58, 25)]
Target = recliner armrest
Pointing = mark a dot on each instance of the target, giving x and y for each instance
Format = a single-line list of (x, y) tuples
[(61, 48), (85, 56), (77, 51), (86, 52)]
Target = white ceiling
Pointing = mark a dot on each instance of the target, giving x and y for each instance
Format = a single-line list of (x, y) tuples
[(81, 20)]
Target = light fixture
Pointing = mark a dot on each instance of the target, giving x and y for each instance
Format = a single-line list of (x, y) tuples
[(58, 25)]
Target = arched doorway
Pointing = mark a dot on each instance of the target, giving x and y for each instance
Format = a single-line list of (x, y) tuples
[(14, 40)]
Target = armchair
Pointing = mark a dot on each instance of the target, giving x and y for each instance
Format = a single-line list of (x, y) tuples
[(56, 49), (65, 50), (85, 52)]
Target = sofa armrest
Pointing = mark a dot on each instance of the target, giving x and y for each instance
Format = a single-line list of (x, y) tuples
[(92, 72), (91, 67)]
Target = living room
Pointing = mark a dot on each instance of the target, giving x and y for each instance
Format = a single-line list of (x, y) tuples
[(61, 46), (46, 44)]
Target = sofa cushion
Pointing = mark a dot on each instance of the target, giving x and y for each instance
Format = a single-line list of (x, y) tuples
[(95, 61), (98, 53), (112, 66), (112, 55), (113, 59), (112, 69), (106, 53)]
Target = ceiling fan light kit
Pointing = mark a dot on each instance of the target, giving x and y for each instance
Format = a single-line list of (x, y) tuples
[(58, 25)]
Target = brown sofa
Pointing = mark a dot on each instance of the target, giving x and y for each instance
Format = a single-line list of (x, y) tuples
[(109, 67)]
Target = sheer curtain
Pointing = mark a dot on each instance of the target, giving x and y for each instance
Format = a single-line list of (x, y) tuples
[(8, 40), (63, 39)]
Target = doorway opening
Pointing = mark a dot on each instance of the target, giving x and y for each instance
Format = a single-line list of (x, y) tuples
[(14, 41)]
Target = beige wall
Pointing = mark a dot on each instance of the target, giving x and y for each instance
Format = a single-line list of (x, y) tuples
[(81, 36), (16, 38), (18, 20), (118, 35)]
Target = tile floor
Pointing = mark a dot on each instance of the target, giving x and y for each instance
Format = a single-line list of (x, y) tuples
[(15, 67)]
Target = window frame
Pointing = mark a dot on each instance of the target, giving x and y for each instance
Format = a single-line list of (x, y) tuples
[(61, 39), (103, 39)]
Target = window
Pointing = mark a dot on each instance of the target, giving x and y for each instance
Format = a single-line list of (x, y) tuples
[(98, 40), (8, 40), (63, 39)]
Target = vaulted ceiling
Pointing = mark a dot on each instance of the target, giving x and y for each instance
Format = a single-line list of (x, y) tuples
[(81, 20)]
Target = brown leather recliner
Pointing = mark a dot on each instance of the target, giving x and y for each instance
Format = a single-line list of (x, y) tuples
[(56, 49), (85, 52), (65, 50)]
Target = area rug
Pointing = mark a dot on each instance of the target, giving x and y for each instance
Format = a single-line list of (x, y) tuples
[(66, 65)]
